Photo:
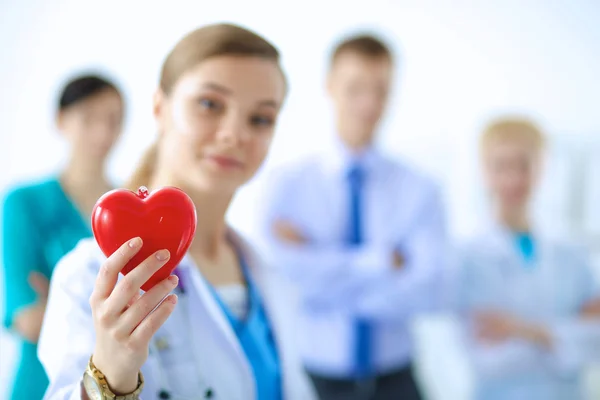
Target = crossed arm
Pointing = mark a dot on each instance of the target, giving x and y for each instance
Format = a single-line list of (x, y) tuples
[(380, 281), (503, 344)]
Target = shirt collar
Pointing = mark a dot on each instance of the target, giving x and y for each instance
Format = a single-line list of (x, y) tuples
[(339, 158)]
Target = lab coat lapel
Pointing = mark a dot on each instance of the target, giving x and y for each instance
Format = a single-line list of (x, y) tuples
[(502, 241), (259, 278), (280, 304), (214, 311), (545, 269), (537, 278), (544, 250), (502, 244)]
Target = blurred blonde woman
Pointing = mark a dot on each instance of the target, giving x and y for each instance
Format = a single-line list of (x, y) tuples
[(528, 297)]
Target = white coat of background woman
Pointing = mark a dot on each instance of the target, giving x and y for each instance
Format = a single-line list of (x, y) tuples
[(527, 296)]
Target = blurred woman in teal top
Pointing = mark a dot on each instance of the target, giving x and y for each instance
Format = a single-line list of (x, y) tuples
[(44, 220)]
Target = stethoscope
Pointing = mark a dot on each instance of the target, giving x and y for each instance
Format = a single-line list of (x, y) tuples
[(158, 344)]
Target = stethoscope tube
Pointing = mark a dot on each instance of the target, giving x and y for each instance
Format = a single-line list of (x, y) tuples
[(165, 392)]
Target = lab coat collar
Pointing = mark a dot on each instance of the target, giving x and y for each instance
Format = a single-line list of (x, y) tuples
[(501, 238), (501, 235), (240, 245), (279, 301), (189, 268)]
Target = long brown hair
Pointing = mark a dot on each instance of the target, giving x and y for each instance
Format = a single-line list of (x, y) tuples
[(194, 48)]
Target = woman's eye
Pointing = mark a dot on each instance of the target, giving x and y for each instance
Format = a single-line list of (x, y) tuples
[(261, 121), (209, 104)]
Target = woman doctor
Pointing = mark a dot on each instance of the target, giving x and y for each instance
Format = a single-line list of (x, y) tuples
[(219, 335), (529, 298)]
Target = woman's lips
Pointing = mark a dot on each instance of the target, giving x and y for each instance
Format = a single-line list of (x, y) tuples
[(224, 161)]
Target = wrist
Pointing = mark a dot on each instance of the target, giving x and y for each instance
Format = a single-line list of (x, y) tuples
[(120, 382), (123, 385), (538, 335)]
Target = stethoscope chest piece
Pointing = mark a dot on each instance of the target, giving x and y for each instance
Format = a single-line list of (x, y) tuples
[(164, 395)]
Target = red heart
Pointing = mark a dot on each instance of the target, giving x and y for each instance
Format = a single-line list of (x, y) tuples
[(164, 219)]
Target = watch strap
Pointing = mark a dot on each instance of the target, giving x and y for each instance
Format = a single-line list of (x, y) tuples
[(106, 391)]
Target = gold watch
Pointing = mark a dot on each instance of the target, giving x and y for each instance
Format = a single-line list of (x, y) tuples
[(96, 386)]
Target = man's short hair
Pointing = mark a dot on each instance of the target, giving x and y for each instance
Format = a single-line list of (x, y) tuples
[(364, 44)]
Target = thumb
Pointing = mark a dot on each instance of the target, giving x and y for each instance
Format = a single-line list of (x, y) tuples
[(40, 284)]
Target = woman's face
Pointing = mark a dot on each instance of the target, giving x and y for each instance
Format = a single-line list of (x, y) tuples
[(512, 168), (218, 121), (93, 125)]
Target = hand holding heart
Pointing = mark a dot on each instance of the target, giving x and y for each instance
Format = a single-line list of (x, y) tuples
[(161, 227), (123, 320)]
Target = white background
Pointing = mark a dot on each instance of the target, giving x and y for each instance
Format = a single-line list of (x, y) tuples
[(461, 62)]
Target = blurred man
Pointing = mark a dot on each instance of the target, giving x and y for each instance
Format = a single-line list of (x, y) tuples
[(362, 237)]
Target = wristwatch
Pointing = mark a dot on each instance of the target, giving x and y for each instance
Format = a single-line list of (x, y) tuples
[(96, 386)]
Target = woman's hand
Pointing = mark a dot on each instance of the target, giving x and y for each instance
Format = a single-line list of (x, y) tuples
[(124, 320), (495, 327), (591, 309), (28, 322)]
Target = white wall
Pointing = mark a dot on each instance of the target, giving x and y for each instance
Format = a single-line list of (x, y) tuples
[(461, 62)]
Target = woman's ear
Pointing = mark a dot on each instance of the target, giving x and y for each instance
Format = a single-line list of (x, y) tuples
[(59, 120), (158, 106), (62, 124), (157, 100)]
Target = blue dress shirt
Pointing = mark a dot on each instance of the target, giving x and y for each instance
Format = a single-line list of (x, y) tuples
[(341, 284)]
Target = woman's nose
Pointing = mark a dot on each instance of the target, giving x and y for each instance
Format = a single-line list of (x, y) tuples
[(233, 131)]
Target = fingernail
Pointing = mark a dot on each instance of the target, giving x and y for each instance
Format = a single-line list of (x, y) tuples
[(173, 279), (162, 255), (173, 299), (135, 242)]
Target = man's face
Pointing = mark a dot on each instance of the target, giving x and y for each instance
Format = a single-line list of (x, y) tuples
[(359, 86)]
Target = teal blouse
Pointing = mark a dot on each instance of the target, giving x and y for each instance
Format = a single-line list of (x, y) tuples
[(256, 338), (526, 247), (40, 225)]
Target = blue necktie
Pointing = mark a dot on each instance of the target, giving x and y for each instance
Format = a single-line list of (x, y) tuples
[(362, 327)]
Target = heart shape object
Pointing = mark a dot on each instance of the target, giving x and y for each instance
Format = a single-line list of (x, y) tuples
[(163, 219)]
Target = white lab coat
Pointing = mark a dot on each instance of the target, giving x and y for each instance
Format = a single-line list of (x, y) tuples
[(203, 352), (492, 276)]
